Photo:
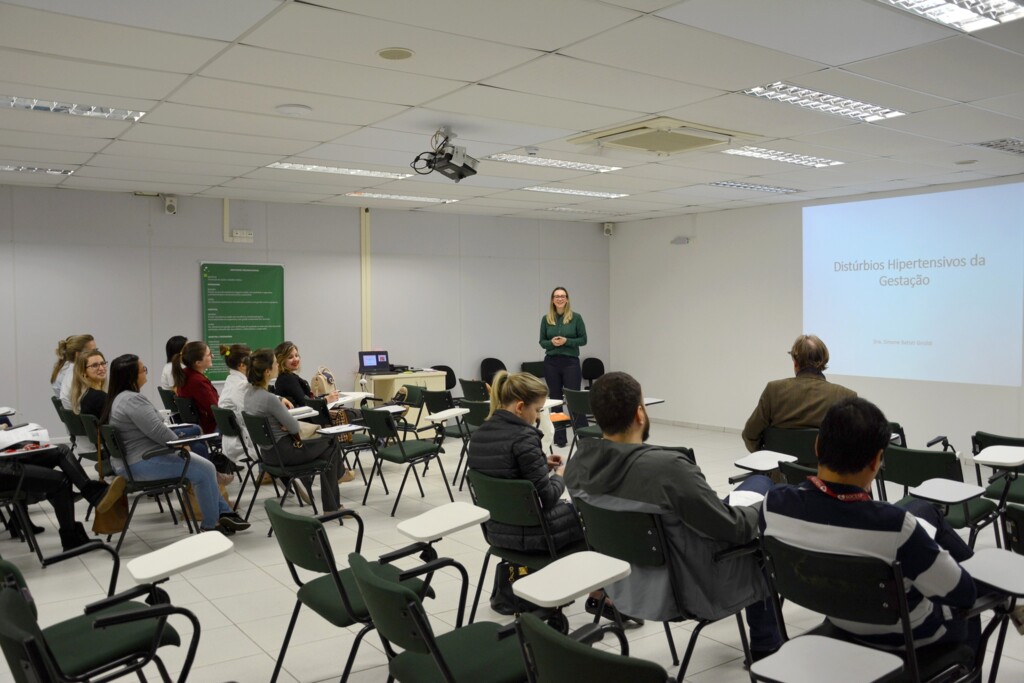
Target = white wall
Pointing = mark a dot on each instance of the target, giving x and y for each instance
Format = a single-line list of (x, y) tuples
[(707, 324), (446, 289)]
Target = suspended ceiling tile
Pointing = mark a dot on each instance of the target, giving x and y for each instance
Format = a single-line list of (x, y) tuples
[(344, 154), (616, 182), (623, 205), (820, 30), (756, 117), (323, 181), (71, 74), (499, 203), (958, 177), (495, 103), (37, 157), (392, 140), (467, 127), (144, 151), (15, 138), (166, 165), (418, 188), (132, 175), (36, 179), (958, 68), (679, 175), (861, 173), (732, 164), (276, 185), (220, 19), (869, 138), (536, 24), (664, 48), (1010, 105), (645, 6), (460, 208), (1009, 36), (537, 198), (257, 99), (222, 192), (186, 137), (224, 121), (872, 91), (347, 37), (982, 159), (33, 30), (573, 79), (112, 185), (297, 72), (959, 123), (539, 174), (65, 124)]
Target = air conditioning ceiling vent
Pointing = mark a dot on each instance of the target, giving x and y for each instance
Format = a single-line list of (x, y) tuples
[(662, 136)]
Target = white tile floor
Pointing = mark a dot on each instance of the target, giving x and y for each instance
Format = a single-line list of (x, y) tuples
[(244, 599)]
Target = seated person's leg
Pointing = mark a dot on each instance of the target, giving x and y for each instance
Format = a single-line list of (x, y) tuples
[(57, 489), (757, 483), (203, 476)]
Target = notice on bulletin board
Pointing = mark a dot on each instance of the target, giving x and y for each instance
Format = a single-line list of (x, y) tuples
[(242, 303)]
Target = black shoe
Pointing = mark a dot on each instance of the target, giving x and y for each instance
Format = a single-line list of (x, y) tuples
[(73, 537), (609, 612), (14, 527), (232, 522)]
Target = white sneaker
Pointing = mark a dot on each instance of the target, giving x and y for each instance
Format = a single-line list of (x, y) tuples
[(301, 492)]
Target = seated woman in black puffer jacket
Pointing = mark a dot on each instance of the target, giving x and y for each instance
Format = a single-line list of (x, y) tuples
[(508, 446)]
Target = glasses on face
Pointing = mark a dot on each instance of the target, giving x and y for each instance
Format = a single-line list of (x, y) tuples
[(559, 296), (144, 369), (94, 366)]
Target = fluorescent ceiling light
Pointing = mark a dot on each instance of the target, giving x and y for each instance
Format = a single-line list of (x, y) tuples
[(569, 209), (787, 157), (342, 171), (400, 197), (1012, 145), (966, 15), (553, 163), (578, 193), (35, 169), (90, 110), (823, 102), (751, 186)]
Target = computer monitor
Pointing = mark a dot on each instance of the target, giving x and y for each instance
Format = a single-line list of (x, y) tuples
[(373, 362)]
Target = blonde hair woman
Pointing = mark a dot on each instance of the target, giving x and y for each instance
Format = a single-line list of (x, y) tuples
[(67, 353), (508, 446), (88, 386), (562, 333)]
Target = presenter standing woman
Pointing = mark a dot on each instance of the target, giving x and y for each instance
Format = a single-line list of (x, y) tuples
[(562, 333)]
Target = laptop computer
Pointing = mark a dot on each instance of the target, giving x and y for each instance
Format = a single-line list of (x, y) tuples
[(374, 362)]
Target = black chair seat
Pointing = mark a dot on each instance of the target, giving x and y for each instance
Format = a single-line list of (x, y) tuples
[(1016, 494), (977, 509), (413, 450), (321, 594), (78, 647), (473, 653)]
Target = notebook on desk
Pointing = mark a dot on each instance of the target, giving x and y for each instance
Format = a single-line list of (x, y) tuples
[(374, 363)]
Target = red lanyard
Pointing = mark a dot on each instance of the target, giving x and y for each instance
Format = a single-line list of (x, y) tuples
[(843, 497)]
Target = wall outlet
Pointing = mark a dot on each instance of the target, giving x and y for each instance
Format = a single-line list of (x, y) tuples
[(243, 236)]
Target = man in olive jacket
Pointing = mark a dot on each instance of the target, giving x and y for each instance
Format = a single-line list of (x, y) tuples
[(620, 472), (798, 402)]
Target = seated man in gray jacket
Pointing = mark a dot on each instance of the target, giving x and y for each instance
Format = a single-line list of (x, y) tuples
[(620, 472)]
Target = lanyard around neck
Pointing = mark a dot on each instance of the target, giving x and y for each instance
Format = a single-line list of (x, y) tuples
[(843, 497)]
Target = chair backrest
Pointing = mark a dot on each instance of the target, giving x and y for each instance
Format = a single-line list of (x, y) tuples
[(578, 402), (379, 423), (113, 444), (414, 395), (450, 381), (167, 397), (489, 367), (437, 401), (259, 430), (227, 423), (509, 501), (478, 412), (897, 428), (474, 390), (90, 428), (555, 658), (301, 539), (57, 405), (394, 609), (796, 473), (186, 409), (796, 442), (1015, 528), (534, 367), (633, 537), (21, 639), (591, 369), (913, 467), (982, 440)]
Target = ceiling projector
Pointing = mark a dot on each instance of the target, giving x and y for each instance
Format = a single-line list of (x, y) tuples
[(445, 158)]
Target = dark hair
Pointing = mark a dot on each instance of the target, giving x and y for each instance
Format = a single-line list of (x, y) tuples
[(614, 398), (260, 361), (123, 376), (809, 353), (173, 346), (852, 433), (282, 351), (190, 354), (235, 355)]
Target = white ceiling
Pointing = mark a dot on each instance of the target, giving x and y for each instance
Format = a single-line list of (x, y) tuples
[(505, 76)]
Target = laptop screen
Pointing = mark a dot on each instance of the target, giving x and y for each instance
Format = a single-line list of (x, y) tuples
[(373, 361)]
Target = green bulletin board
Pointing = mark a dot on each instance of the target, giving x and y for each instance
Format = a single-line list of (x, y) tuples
[(241, 303)]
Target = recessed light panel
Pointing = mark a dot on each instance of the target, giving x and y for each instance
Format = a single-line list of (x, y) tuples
[(785, 157), (553, 163), (89, 110), (756, 188), (341, 171), (578, 193), (36, 169), (1011, 145), (823, 102), (965, 15), (401, 197)]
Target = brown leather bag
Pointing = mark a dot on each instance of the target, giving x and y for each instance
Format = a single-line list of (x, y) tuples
[(113, 520)]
